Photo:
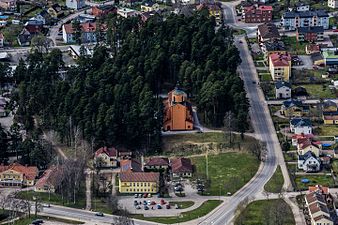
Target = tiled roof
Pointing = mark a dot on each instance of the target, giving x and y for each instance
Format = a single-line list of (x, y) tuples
[(111, 152), (268, 30), (320, 217), (158, 161), (302, 136), (320, 188), (314, 197), (47, 178), (274, 46), (130, 165), (88, 27), (307, 155), (292, 102), (305, 14), (307, 143), (329, 103), (314, 29), (280, 59), (140, 177), (30, 172), (257, 10), (280, 84), (300, 122), (181, 165)]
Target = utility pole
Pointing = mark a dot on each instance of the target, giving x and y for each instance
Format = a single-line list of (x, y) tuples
[(207, 165)]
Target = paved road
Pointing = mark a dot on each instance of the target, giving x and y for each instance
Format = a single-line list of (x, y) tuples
[(308, 101)]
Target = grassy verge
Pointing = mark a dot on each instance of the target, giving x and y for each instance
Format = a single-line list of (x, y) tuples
[(314, 180), (228, 172), (55, 199), (25, 221), (204, 209), (183, 204), (265, 212), (293, 46), (319, 91), (327, 130), (275, 184)]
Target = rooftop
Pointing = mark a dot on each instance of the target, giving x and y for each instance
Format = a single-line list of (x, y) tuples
[(140, 177)]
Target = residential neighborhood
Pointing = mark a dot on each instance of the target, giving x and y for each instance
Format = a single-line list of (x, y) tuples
[(169, 112)]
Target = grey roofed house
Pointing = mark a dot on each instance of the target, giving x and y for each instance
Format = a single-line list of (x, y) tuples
[(280, 84), (316, 56), (314, 29), (268, 30), (274, 46), (186, 10), (305, 14), (300, 122)]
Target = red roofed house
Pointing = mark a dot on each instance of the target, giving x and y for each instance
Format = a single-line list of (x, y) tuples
[(257, 14), (157, 163), (48, 181), (320, 189), (318, 209), (88, 32), (106, 157), (103, 10), (307, 145), (139, 182), (296, 138), (18, 175), (181, 167), (131, 165), (280, 66)]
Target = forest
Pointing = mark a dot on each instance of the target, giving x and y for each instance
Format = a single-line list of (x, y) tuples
[(112, 98)]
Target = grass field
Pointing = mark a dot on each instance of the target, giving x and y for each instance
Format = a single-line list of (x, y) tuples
[(317, 91), (228, 172), (54, 198), (25, 221), (183, 204), (314, 180), (293, 46), (204, 209), (275, 184), (256, 213), (327, 130)]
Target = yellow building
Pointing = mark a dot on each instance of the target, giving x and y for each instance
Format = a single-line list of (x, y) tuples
[(18, 175), (294, 108), (139, 182), (330, 113), (280, 66), (307, 145), (148, 7), (213, 9)]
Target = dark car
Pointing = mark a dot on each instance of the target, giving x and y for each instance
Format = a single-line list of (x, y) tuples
[(99, 214), (146, 207), (159, 206), (37, 221), (167, 206)]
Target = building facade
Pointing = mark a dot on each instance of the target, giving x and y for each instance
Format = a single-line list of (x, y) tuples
[(282, 90), (178, 112), (280, 66), (332, 4), (17, 175), (292, 20), (139, 182), (75, 4), (257, 14), (310, 34)]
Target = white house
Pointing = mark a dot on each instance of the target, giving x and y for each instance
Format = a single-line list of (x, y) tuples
[(300, 126), (126, 13), (332, 4), (302, 7), (282, 89), (75, 4), (308, 162)]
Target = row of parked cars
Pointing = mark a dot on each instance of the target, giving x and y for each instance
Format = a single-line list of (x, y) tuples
[(153, 205), (146, 195)]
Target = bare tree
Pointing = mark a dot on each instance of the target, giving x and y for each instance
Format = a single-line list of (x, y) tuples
[(41, 43), (123, 218), (258, 149), (229, 124)]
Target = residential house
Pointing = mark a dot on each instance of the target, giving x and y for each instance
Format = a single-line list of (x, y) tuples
[(130, 165), (312, 48), (32, 28), (185, 10), (3, 111), (294, 108), (280, 66), (75, 4), (124, 153), (2, 40), (48, 181), (267, 32), (317, 58), (302, 7), (317, 208), (310, 34), (126, 13), (106, 157), (146, 15), (139, 182), (270, 47), (291, 20), (282, 89), (320, 189), (307, 145), (257, 14), (330, 113), (332, 4), (149, 6), (88, 32), (178, 112), (85, 18), (17, 175), (214, 10), (330, 56), (157, 163), (308, 162), (55, 11), (181, 167), (75, 51), (298, 138), (103, 10), (300, 125), (8, 5)]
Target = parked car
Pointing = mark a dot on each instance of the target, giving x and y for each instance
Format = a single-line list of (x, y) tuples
[(145, 202), (159, 206), (37, 221), (177, 206), (149, 202), (138, 207), (135, 202), (167, 206), (140, 195), (136, 196), (162, 202), (146, 207), (145, 195), (153, 203), (99, 214), (149, 195)]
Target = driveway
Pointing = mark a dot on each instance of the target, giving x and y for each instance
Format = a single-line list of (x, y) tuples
[(307, 62)]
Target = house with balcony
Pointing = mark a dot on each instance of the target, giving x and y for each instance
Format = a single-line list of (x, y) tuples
[(310, 34), (292, 20), (257, 14), (139, 182), (280, 66)]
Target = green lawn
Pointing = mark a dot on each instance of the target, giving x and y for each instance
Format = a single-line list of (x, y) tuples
[(314, 180), (54, 198), (293, 46), (327, 130), (265, 76), (11, 32), (335, 166), (183, 204), (204, 209), (259, 212), (228, 172), (319, 91), (25, 221), (275, 184)]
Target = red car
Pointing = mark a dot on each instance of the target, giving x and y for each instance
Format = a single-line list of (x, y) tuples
[(162, 202), (336, 30)]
